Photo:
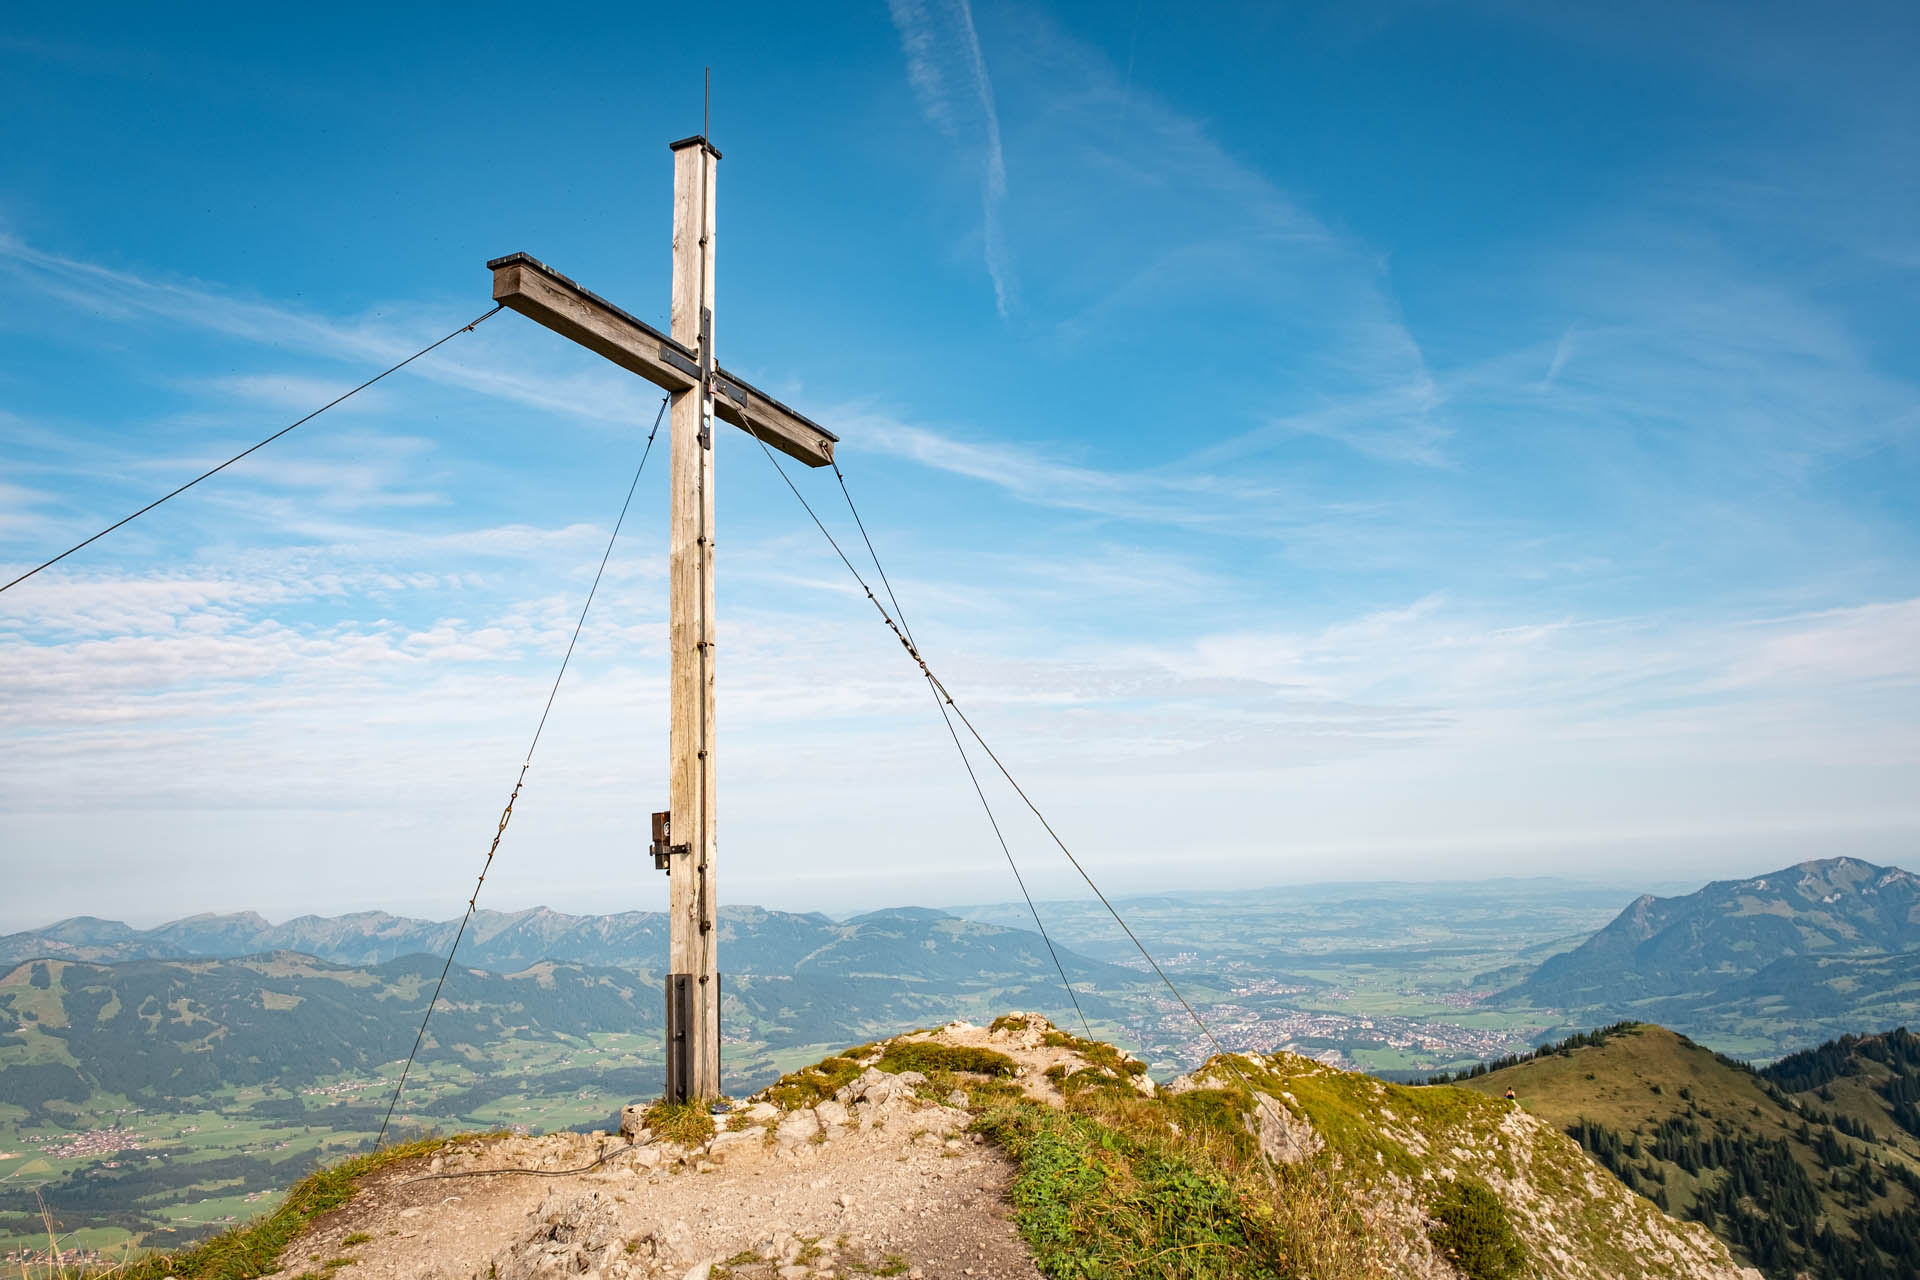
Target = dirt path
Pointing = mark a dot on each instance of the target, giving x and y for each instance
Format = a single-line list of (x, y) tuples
[(876, 1181)]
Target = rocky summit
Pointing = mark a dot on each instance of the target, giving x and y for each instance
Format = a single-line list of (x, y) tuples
[(1019, 1150)]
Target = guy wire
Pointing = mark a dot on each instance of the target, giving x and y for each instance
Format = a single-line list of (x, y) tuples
[(506, 815)]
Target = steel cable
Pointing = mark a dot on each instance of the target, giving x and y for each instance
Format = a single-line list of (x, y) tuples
[(943, 693), (939, 691), (506, 815), (958, 746), (465, 328)]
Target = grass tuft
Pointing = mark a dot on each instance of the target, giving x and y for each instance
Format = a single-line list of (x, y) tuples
[(688, 1123), (1098, 1052), (1085, 1079), (1091, 1202), (927, 1057), (1472, 1230), (813, 1085)]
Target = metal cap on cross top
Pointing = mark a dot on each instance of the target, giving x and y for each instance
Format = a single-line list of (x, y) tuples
[(697, 140)]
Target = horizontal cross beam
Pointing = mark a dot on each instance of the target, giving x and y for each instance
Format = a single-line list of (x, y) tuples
[(540, 293)]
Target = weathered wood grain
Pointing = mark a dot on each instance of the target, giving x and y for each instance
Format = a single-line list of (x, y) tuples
[(692, 751)]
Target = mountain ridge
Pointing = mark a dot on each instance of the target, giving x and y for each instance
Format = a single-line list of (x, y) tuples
[(1730, 931), (755, 940)]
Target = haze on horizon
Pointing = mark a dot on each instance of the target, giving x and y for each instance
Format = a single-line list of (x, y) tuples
[(1434, 443)]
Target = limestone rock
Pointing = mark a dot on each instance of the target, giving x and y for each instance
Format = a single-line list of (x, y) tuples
[(799, 1127), (1283, 1136), (877, 1086), (569, 1235), (734, 1139)]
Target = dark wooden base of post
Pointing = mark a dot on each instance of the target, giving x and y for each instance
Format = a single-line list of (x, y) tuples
[(679, 1045), (680, 997)]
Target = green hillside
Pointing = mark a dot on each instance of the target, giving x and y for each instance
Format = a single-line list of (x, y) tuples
[(1808, 1174)]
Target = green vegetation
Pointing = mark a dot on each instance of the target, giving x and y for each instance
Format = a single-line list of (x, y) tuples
[(1405, 1136), (1124, 1183), (725, 1270), (942, 1064), (1471, 1230), (688, 1123), (1098, 1052), (813, 1085), (1081, 1079), (1216, 1118), (1802, 1168), (1093, 1201), (927, 1057), (254, 1250)]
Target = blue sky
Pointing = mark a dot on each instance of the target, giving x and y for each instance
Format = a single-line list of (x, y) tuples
[(1316, 442)]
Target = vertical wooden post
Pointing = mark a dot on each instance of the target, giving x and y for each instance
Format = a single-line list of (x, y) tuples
[(693, 907)]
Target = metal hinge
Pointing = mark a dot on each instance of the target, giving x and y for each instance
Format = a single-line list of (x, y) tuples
[(663, 849)]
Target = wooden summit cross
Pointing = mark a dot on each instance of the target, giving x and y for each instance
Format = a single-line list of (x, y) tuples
[(683, 837)]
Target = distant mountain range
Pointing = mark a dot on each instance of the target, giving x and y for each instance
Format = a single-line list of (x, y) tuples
[(1756, 966), (911, 943), (1824, 946)]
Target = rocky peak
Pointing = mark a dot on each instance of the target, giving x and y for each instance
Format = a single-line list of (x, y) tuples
[(891, 1159)]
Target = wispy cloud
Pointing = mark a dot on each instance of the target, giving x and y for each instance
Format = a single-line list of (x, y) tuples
[(289, 392), (1562, 352), (948, 72), (18, 505), (482, 362), (1874, 643), (1395, 424), (1030, 474), (1157, 237)]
